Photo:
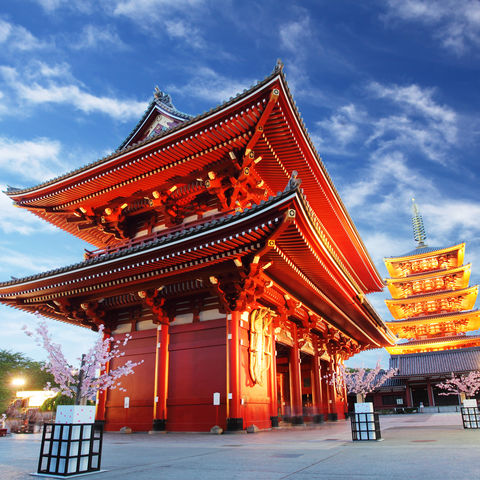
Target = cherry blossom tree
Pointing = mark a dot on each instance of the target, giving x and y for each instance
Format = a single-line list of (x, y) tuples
[(363, 381), (93, 375), (466, 385)]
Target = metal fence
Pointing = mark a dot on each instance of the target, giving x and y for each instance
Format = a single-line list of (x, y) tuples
[(365, 426), (70, 449)]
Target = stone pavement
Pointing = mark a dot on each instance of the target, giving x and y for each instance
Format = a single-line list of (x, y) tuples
[(416, 446)]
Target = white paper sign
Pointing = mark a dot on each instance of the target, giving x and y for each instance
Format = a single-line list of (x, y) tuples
[(216, 398), (126, 402)]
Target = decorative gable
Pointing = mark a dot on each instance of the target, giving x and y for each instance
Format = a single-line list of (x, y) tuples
[(159, 117)]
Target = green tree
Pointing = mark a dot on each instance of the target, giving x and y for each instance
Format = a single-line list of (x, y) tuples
[(15, 364)]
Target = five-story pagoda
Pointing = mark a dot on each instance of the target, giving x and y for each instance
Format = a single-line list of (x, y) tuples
[(432, 306)]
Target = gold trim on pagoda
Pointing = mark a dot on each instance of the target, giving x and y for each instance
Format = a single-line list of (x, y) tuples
[(452, 301), (453, 279), (433, 325), (444, 258), (460, 341)]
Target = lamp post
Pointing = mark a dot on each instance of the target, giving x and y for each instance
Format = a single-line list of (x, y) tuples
[(18, 382)]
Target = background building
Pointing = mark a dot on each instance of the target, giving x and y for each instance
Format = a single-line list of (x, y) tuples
[(432, 306)]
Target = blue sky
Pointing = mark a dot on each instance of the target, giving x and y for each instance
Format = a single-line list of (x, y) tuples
[(388, 91)]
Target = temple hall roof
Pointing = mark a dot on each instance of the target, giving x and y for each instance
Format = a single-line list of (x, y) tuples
[(431, 363)]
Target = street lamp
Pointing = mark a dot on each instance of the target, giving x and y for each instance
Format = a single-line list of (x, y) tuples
[(18, 382)]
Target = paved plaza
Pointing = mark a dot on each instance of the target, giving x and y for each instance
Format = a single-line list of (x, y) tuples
[(417, 446)]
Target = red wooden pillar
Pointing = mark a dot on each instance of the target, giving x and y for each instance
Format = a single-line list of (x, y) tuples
[(273, 382), (431, 399), (296, 381), (332, 396), (102, 394), (235, 419), (317, 385), (408, 395), (161, 378)]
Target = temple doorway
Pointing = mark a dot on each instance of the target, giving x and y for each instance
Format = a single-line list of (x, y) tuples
[(307, 385), (419, 395), (283, 382)]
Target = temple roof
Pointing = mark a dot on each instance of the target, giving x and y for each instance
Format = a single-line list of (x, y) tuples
[(431, 318), (272, 230), (430, 363), (164, 238), (192, 147), (161, 104), (435, 344), (425, 250), (121, 151)]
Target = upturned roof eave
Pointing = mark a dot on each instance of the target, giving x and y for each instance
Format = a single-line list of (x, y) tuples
[(375, 282), (410, 256), (119, 154)]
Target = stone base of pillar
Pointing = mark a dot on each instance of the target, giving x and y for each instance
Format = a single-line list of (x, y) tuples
[(100, 424), (274, 421), (234, 424), (159, 425), (318, 419), (332, 417), (297, 420)]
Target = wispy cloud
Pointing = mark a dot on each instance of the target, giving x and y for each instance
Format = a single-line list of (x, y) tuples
[(405, 118), (17, 38), (294, 37), (33, 160), (96, 37), (455, 24), (44, 86), (181, 20), (18, 221), (12, 260), (294, 34), (207, 84)]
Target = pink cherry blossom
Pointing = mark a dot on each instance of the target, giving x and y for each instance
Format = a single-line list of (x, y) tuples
[(93, 375), (468, 384)]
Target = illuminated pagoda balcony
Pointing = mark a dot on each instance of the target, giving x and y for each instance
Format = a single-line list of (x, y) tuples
[(433, 303), (442, 280), (425, 259), (435, 344), (445, 324)]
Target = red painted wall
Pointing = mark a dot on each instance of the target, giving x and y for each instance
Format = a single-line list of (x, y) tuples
[(139, 385), (197, 370)]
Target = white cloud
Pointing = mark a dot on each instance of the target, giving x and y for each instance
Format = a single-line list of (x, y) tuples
[(38, 88), (404, 118), (51, 6), (209, 85), (17, 38), (94, 36), (15, 220), (456, 24), (15, 261), (294, 34), (34, 160), (341, 128)]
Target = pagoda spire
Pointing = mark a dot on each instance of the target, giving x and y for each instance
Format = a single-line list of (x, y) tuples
[(418, 228)]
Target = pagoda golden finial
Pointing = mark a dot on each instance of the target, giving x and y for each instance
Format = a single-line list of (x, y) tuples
[(418, 228)]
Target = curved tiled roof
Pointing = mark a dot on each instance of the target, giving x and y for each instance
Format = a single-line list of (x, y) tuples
[(419, 251), (429, 363), (165, 239), (12, 190)]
